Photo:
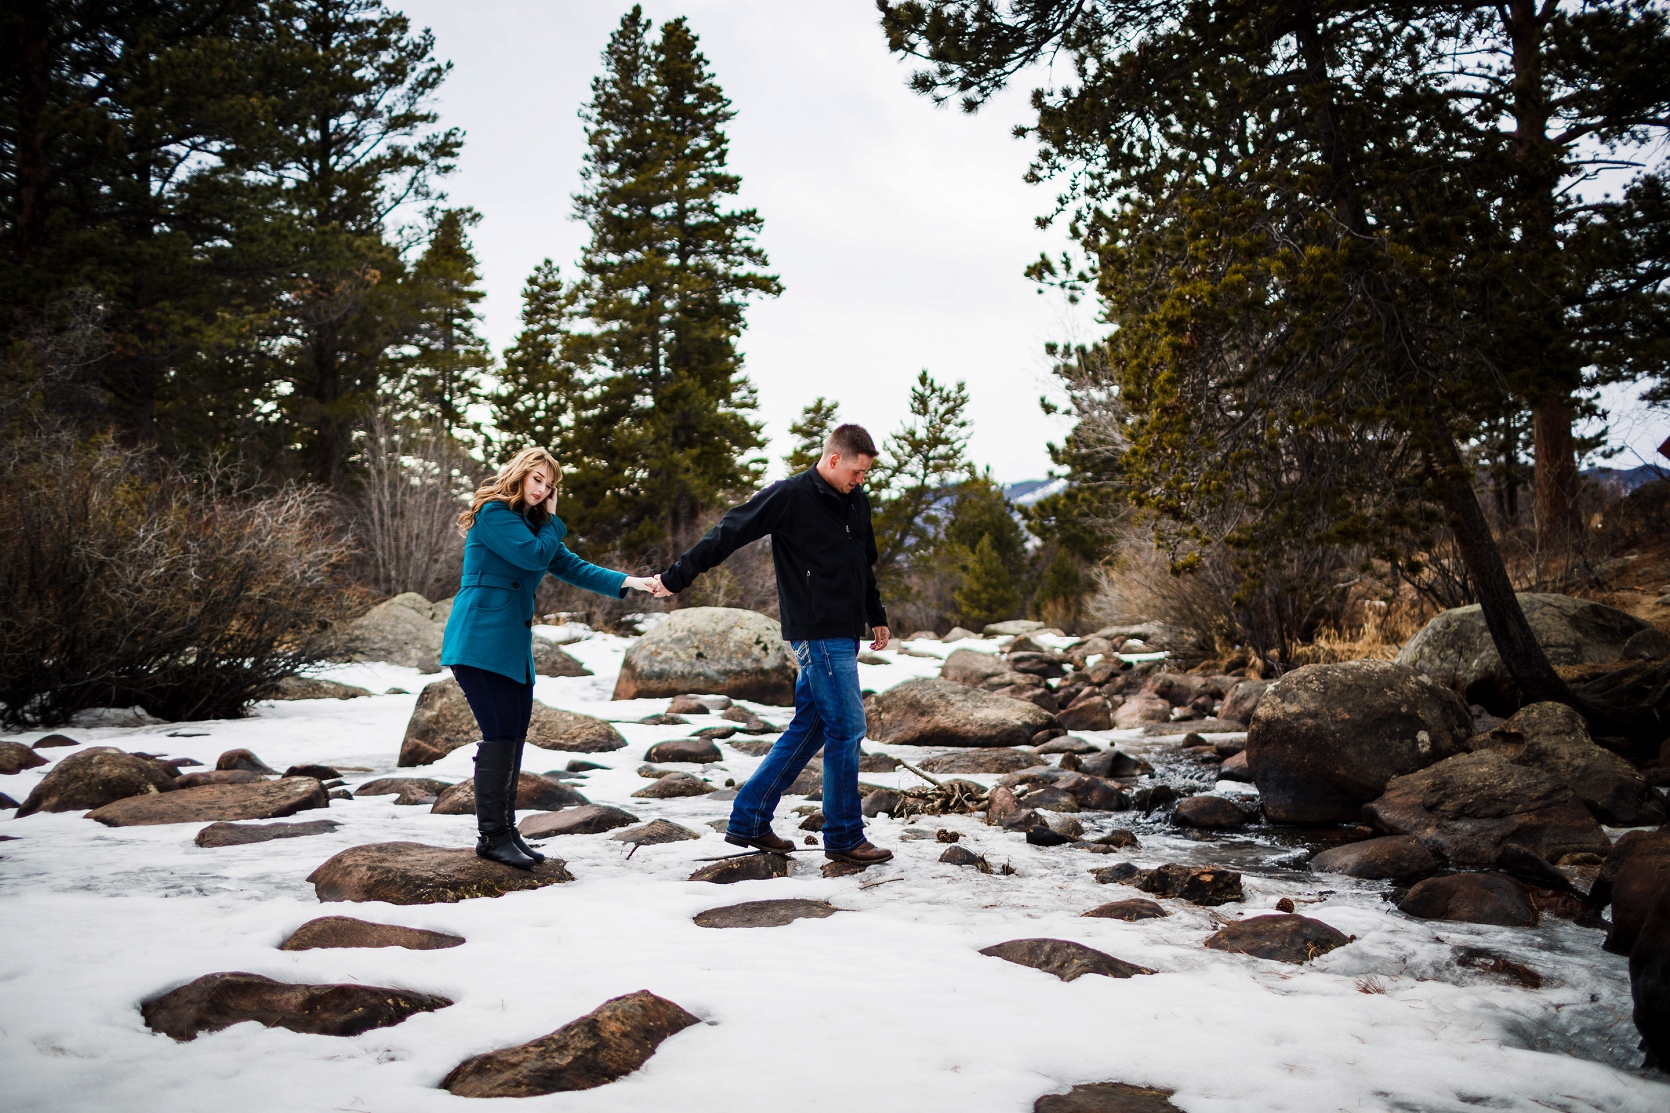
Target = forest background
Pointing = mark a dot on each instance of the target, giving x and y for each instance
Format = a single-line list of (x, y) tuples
[(246, 385)]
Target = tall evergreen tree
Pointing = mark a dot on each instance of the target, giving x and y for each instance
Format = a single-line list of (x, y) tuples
[(443, 375), (664, 428), (988, 592), (810, 433), (914, 481), (539, 382)]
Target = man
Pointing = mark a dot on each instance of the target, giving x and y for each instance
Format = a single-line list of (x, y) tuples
[(825, 552)]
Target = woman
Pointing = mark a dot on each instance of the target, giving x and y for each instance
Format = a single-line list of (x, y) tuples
[(511, 539)]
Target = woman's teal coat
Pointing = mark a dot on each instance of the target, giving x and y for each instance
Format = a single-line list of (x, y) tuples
[(491, 625)]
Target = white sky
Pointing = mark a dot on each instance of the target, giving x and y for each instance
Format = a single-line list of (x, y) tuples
[(900, 230)]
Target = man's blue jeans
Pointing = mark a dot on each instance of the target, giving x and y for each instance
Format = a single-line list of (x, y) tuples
[(828, 713)]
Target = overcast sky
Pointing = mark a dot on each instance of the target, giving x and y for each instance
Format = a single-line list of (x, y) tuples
[(900, 230)]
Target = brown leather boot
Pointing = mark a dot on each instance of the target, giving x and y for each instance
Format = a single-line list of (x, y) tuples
[(864, 854), (768, 841)]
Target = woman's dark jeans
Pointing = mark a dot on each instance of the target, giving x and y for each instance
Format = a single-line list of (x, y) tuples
[(502, 706)]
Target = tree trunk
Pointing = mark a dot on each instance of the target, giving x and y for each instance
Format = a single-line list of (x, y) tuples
[(34, 52), (1556, 473)]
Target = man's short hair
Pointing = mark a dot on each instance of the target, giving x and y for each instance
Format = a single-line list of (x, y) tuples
[(850, 441)]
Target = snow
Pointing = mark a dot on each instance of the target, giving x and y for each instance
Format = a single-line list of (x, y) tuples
[(885, 1006)]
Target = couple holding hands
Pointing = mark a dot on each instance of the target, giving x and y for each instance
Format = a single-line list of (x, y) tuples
[(824, 551)]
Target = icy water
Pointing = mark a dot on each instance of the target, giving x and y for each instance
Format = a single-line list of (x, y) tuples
[(885, 1006)]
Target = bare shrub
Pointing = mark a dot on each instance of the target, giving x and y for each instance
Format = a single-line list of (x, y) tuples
[(416, 482), (130, 581)]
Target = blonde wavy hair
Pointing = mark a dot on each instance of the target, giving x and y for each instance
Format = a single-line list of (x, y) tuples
[(506, 487)]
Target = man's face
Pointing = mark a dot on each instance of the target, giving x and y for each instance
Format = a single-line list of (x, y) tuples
[(846, 473)]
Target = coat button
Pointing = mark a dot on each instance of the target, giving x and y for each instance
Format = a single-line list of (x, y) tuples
[(515, 583)]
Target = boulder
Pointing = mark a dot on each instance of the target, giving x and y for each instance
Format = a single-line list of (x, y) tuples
[(1095, 713), (1241, 701), (260, 800), (1393, 858), (1234, 768), (1037, 695), (1635, 875), (15, 757), (1090, 793), (980, 761), (764, 913), (405, 631), (93, 718), (550, 660), (54, 740), (96, 776), (533, 793), (1208, 813), (654, 833), (1062, 743), (1012, 628), (1553, 737), (878, 801), (1203, 885), (1128, 910), (1473, 807), (1045, 665), (1064, 958), (1176, 688), (245, 760), (876, 763), (552, 729), (345, 931), (309, 687), (393, 786), (699, 750), (1455, 648), (412, 873), (935, 712), (237, 834), (970, 666), (441, 722), (1326, 739), (687, 705), (733, 652), (607, 1043), (1113, 763), (217, 1001), (217, 777), (1471, 898), (587, 819), (674, 785), (744, 867), (1106, 1097), (1282, 938), (1141, 709), (1646, 645)]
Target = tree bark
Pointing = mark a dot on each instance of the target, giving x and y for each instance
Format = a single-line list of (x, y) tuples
[(1556, 473)]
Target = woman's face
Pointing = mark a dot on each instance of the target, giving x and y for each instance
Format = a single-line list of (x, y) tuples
[(536, 486)]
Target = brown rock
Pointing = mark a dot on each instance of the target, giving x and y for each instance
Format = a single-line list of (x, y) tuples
[(1235, 769), (412, 873), (261, 800), (699, 750), (1554, 738), (243, 759), (1472, 807), (1242, 700), (1394, 858), (441, 722), (1282, 938), (876, 763), (1177, 689), (1138, 710), (981, 761), (308, 687), (607, 1043), (533, 793), (960, 856), (1472, 898), (1208, 813), (687, 705), (1106, 1097), (1037, 695), (1113, 763), (234, 834), (1091, 793), (550, 660), (746, 867), (1094, 713), (880, 800), (970, 666), (587, 819), (1129, 910), (553, 729), (52, 740), (393, 786), (96, 776), (216, 777), (764, 913), (1202, 885), (217, 1001), (655, 832), (345, 931), (1635, 875), (16, 757), (674, 785), (1063, 958), (317, 772), (723, 650), (931, 712)]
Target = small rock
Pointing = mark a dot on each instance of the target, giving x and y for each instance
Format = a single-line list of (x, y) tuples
[(123, 717), (752, 747), (1129, 910), (587, 819), (217, 1001), (578, 766), (876, 763), (415, 796), (1202, 885), (664, 721), (813, 822), (53, 740), (764, 913), (748, 867), (715, 734), (1120, 839), (1235, 769), (1394, 858), (307, 687), (674, 785), (1106, 1097), (317, 772), (1112, 763), (1282, 937), (879, 801), (239, 834), (217, 777), (261, 800), (1208, 813), (699, 750), (412, 873), (16, 757), (959, 856), (1122, 872), (392, 786), (1091, 714), (243, 759), (841, 868), (533, 793), (1040, 835), (1138, 710), (345, 931), (1063, 743), (655, 832), (549, 659), (607, 1043), (687, 705), (1063, 958), (808, 783), (1472, 898), (6, 804)]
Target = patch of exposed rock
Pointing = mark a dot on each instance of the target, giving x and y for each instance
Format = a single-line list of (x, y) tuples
[(1064, 958), (405, 631), (239, 834), (217, 1001), (1472, 898), (764, 913), (588, 819), (1553, 737), (1281, 938), (258, 800), (533, 793), (94, 777), (345, 931)]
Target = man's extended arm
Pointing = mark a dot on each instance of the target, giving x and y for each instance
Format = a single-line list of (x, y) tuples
[(748, 522)]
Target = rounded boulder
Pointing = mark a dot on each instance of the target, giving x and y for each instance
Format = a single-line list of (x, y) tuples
[(934, 712), (720, 650)]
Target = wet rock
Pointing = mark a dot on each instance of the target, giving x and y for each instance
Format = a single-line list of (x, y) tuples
[(1554, 738), (1112, 763), (217, 777), (238, 834), (317, 772), (1060, 742), (1138, 710), (879, 801), (764, 913), (243, 759), (876, 763), (1203, 885), (1393, 858), (1003, 807), (1051, 798), (392, 786), (1091, 793), (1123, 872), (1106, 1097), (1282, 938), (405, 631), (1208, 813), (308, 687), (981, 761), (1471, 898), (587, 819), (1092, 714), (1241, 701), (931, 712), (747, 867), (533, 793), (1473, 807), (550, 660), (1042, 835), (1635, 875), (1235, 769), (16, 757), (412, 873), (1326, 739), (700, 750), (554, 729), (1646, 645), (345, 931), (1063, 958), (1118, 839), (1128, 910), (217, 1001), (687, 705), (261, 800), (1455, 649), (959, 856), (654, 833), (733, 652), (1147, 799), (607, 1043), (674, 785), (716, 734), (53, 740)]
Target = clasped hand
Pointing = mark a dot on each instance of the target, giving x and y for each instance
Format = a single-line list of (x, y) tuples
[(651, 584)]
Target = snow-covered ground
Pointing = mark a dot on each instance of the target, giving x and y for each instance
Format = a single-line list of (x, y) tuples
[(885, 1006)]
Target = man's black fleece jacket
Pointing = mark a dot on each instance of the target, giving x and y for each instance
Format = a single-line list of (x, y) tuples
[(822, 545)]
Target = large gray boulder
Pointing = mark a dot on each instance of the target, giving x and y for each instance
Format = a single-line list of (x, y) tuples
[(713, 650), (1554, 738), (935, 712), (405, 630), (442, 721), (550, 660), (970, 666), (1326, 739), (1455, 648)]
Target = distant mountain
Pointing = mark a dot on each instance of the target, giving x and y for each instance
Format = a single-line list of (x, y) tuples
[(1625, 480), (1029, 491)]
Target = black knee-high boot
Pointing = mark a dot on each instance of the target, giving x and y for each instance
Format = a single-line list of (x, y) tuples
[(494, 762), (510, 813)]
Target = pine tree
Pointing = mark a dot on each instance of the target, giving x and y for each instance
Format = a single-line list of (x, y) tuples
[(810, 433), (919, 467), (664, 429), (443, 375), (981, 510), (1060, 593), (988, 592), (538, 382)]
